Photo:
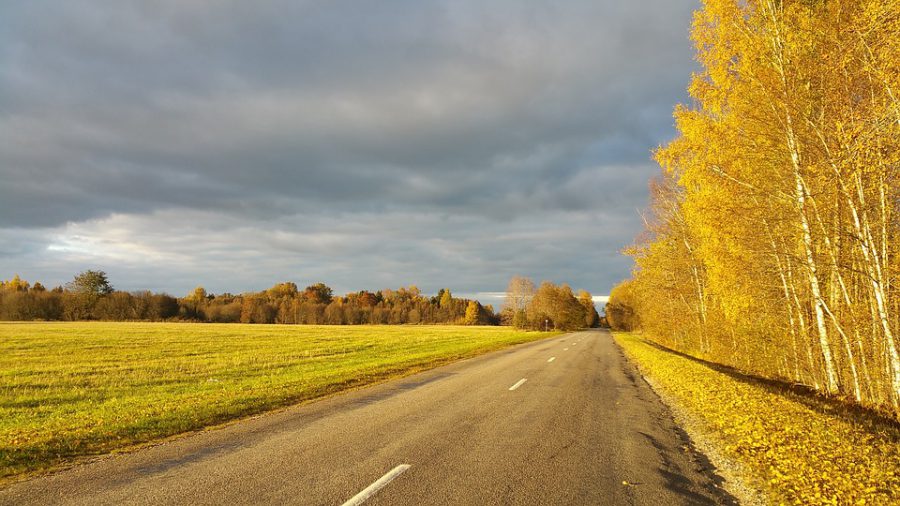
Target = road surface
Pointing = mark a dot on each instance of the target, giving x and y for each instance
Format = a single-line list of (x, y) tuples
[(560, 421)]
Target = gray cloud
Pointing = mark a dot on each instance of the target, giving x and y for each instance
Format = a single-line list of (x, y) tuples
[(235, 144)]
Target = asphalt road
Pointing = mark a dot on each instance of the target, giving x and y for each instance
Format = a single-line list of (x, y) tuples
[(582, 428)]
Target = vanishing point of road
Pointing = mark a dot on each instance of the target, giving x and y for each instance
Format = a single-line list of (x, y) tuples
[(566, 420)]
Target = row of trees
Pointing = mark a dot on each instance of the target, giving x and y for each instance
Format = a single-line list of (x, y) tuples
[(773, 242), (316, 304), (91, 297), (548, 306)]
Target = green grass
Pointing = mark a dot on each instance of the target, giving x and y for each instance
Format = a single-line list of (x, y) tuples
[(800, 449), (75, 389)]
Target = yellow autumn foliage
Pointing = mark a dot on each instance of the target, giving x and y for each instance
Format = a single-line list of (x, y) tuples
[(773, 240), (800, 449)]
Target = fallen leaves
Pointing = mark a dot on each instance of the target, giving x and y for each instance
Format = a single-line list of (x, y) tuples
[(801, 454)]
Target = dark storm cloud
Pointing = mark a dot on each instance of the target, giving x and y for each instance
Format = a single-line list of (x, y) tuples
[(450, 142)]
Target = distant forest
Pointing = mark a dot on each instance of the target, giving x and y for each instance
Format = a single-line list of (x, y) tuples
[(90, 296)]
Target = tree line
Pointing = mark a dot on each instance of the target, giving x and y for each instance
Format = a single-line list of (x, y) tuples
[(773, 238), (90, 296), (316, 304)]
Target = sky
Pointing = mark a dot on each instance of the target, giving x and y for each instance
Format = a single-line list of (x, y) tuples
[(368, 145)]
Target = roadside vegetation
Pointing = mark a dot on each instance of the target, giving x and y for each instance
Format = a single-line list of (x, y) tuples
[(773, 241), (799, 448), (87, 388)]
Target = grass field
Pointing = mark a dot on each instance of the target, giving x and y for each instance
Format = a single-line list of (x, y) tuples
[(76, 389), (800, 449)]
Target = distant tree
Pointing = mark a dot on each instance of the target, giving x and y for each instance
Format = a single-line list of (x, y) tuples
[(117, 306), (473, 313), (409, 294), (157, 307), (591, 317), (16, 284), (446, 299), (379, 316), (334, 312), (367, 299), (284, 290), (622, 308), (83, 293), (193, 306), (197, 295), (90, 283), (519, 293), (224, 310), (255, 309), (319, 293), (555, 306)]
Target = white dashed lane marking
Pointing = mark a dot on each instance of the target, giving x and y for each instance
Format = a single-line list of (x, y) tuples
[(518, 384), (378, 485)]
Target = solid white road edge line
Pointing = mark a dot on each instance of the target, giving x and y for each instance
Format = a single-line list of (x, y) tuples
[(378, 485), (551, 359), (518, 384)]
